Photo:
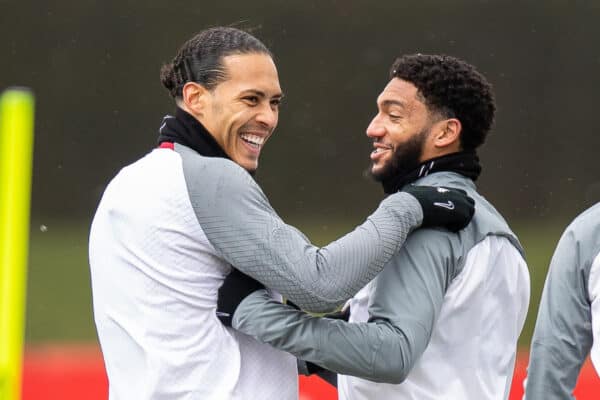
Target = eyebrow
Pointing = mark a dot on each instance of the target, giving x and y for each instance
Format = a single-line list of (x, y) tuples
[(260, 93), (388, 103)]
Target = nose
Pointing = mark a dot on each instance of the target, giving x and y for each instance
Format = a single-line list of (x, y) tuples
[(268, 117), (375, 128)]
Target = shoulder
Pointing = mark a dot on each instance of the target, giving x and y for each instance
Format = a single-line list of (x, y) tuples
[(416, 277), (209, 167), (587, 223), (215, 180), (157, 171), (431, 240), (581, 240), (211, 171), (431, 251)]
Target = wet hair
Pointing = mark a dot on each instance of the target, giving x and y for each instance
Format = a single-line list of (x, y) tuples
[(452, 88), (200, 59)]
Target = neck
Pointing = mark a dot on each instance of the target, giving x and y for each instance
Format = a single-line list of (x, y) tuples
[(185, 129), (465, 163)]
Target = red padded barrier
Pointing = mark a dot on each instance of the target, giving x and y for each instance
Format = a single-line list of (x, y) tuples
[(75, 372)]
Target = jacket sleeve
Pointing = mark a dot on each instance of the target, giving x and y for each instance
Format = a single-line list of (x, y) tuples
[(244, 229), (405, 302), (563, 333)]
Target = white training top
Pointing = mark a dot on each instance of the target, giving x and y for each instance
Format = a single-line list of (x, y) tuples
[(155, 278), (472, 348)]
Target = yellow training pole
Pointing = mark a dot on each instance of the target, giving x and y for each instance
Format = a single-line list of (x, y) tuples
[(16, 149)]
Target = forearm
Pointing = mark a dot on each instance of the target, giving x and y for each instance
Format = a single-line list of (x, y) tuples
[(326, 277), (262, 246), (376, 351)]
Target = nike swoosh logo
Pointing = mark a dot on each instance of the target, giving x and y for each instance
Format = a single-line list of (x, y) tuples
[(448, 205)]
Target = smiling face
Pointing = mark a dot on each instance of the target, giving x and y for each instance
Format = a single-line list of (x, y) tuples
[(242, 111), (400, 130)]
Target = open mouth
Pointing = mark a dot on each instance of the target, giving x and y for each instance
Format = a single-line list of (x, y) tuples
[(253, 140), (380, 148)]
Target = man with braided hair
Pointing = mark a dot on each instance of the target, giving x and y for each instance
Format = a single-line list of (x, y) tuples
[(173, 225), (443, 318)]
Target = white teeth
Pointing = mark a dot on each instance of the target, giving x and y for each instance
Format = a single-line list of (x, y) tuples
[(381, 149), (256, 140)]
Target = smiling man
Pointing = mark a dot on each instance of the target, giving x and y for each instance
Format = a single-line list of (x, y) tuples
[(443, 318), (173, 225)]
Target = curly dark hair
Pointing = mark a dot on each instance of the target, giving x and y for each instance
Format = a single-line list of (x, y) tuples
[(200, 59), (452, 88)]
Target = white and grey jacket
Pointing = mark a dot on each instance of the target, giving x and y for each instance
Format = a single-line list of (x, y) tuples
[(443, 317), (167, 232), (568, 321)]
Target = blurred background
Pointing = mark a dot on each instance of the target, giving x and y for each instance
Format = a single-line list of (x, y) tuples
[(94, 67)]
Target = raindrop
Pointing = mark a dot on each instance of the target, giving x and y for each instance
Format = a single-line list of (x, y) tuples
[(43, 228)]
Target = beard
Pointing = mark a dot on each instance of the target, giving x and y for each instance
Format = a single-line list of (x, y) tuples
[(405, 158)]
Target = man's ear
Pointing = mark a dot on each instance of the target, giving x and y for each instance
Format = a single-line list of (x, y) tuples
[(447, 134), (195, 98)]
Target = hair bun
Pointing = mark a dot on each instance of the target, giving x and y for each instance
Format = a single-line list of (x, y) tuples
[(167, 78)]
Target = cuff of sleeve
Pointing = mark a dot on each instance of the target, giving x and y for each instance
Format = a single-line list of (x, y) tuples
[(245, 307), (405, 207)]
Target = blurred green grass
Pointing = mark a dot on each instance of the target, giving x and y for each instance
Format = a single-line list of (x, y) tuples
[(59, 305)]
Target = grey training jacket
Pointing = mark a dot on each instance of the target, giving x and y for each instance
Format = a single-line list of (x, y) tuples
[(404, 304)]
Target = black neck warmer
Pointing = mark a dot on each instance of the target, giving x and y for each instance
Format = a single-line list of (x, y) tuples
[(465, 163), (186, 130)]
